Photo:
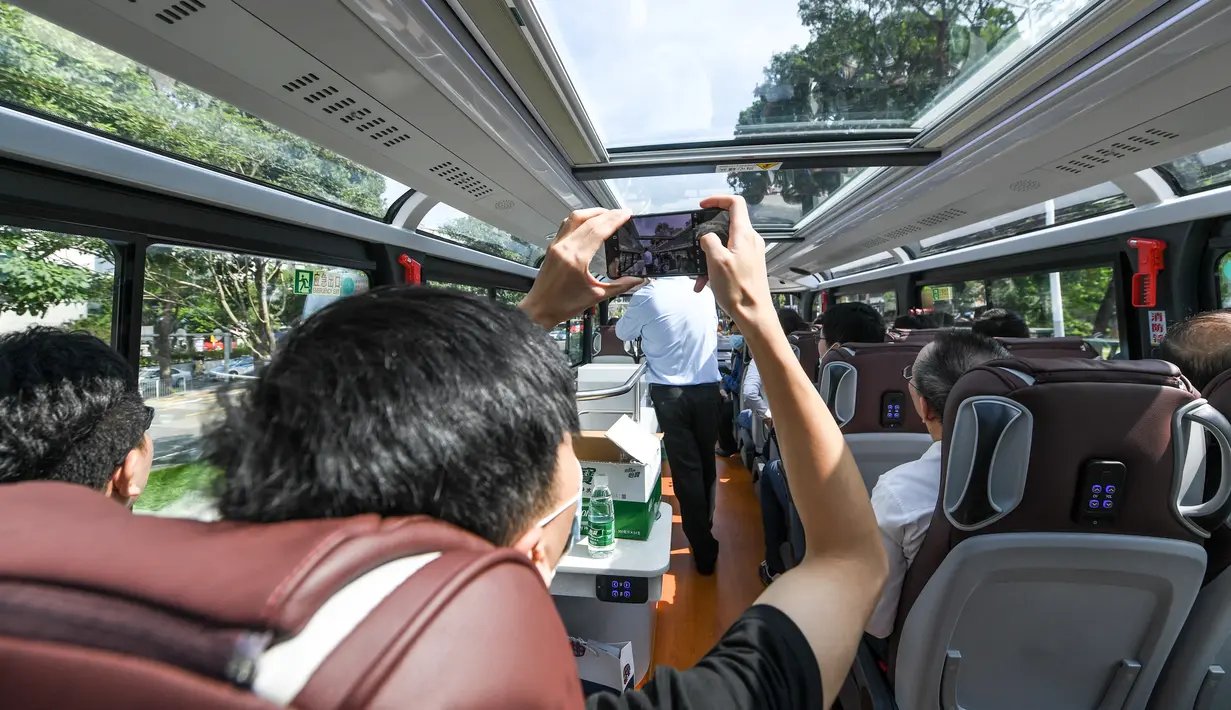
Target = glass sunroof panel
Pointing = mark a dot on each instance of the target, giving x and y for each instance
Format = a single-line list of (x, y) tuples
[(778, 198), (689, 71), (1206, 170)]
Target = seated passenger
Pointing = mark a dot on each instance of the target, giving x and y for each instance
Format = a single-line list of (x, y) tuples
[(791, 322), (72, 412), (1001, 323), (850, 323), (1200, 346), (905, 497), (421, 421), (910, 321)]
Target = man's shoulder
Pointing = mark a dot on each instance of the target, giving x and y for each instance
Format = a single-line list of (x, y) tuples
[(909, 487)]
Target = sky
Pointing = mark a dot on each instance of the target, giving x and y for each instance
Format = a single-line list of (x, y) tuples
[(655, 71)]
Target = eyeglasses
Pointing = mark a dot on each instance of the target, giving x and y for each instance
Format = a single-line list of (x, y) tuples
[(908, 372), (149, 419)]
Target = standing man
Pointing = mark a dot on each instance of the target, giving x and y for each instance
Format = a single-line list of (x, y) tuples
[(678, 328)]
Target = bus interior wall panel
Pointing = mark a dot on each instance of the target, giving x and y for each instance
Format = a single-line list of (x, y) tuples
[(251, 69), (38, 193), (1184, 99)]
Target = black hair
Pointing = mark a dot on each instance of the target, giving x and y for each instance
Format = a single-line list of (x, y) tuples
[(852, 323), (1200, 346), (401, 401), (910, 321), (1001, 323), (71, 406), (791, 321), (949, 356)]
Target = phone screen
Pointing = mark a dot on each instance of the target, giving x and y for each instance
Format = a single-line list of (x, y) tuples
[(663, 244)]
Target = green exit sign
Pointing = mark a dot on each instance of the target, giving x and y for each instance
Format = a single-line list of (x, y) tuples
[(303, 282)]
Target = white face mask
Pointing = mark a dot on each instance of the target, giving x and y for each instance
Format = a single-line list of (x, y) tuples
[(574, 531)]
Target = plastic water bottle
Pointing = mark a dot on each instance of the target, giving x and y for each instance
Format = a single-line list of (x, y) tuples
[(601, 520)]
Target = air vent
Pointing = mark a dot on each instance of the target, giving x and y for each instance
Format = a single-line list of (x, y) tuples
[(300, 82), (320, 95), (180, 11), (898, 233), (941, 217), (461, 179), (1109, 152), (1025, 186), (504, 205)]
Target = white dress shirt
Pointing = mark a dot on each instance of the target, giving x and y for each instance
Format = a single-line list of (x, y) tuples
[(904, 499), (678, 330), (754, 396)]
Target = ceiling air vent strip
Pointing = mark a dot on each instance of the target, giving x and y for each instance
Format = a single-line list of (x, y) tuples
[(462, 179), (301, 82), (1110, 151), (179, 11), (388, 136)]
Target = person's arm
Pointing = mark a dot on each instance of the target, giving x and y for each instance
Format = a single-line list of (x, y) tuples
[(564, 286), (831, 594), (634, 319), (752, 390)]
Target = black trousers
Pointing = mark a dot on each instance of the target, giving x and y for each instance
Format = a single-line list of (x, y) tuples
[(726, 425), (689, 419)]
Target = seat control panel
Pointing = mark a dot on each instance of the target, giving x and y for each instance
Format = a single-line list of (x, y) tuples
[(892, 409), (622, 590), (1100, 490)]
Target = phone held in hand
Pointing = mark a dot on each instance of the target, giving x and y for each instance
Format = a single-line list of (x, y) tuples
[(667, 244)]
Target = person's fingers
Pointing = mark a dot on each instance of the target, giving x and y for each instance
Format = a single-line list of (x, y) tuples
[(619, 286), (737, 211), (597, 229), (699, 286), (576, 219), (712, 245)]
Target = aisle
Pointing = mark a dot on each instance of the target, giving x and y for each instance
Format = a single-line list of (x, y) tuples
[(695, 610)]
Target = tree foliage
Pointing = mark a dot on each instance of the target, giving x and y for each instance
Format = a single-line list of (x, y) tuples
[(481, 236)]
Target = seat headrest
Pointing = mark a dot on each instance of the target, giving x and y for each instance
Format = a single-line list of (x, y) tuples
[(1218, 392), (275, 576), (1049, 347), (918, 335), (855, 379)]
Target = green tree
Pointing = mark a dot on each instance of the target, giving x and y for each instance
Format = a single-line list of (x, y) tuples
[(481, 236), (870, 64)]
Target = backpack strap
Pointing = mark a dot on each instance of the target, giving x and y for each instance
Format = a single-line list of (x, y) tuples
[(350, 676)]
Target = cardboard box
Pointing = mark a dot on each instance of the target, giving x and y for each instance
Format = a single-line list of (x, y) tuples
[(604, 666), (630, 457)]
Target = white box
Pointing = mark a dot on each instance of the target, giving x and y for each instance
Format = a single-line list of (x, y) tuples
[(608, 665)]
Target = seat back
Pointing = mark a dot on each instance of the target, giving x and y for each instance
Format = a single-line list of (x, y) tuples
[(1018, 598), (1036, 348), (806, 344), (607, 348), (919, 335), (861, 382), (229, 615), (1193, 677)]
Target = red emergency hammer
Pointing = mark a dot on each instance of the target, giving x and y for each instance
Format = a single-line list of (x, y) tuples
[(1149, 263)]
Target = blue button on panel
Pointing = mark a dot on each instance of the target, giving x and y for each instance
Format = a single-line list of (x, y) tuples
[(1110, 489), (1106, 504), (1094, 504), (1096, 489)]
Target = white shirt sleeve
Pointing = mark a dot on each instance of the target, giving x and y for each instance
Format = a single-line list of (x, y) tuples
[(629, 326), (754, 396), (893, 521)]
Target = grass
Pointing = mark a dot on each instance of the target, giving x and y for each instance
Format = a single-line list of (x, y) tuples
[(169, 484)]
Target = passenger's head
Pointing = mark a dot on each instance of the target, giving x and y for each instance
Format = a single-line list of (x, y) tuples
[(852, 323), (611, 322), (938, 367), (72, 412), (1001, 323), (380, 403), (1200, 346), (791, 321), (909, 322)]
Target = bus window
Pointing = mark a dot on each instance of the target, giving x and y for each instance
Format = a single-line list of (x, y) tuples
[(197, 302), (885, 302), (508, 297), (476, 290), (575, 334), (1087, 300), (62, 280), (1224, 279)]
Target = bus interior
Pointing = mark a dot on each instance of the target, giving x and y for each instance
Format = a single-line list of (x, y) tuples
[(189, 180)]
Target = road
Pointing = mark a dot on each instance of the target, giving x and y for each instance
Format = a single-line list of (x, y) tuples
[(179, 421)]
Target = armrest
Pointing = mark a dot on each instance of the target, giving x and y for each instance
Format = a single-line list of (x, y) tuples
[(870, 682)]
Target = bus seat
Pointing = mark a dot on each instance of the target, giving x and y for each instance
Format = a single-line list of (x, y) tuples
[(235, 615), (1193, 678), (919, 335), (1011, 585), (806, 343), (610, 349), (858, 382), (1049, 347)]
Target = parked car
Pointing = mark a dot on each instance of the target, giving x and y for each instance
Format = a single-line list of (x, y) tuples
[(179, 375), (245, 366)]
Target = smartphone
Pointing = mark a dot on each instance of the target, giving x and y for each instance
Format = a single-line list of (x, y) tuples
[(665, 244)]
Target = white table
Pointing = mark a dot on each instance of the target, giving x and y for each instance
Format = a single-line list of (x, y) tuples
[(586, 616)]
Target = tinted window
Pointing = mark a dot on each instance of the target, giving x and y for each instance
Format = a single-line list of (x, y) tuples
[(886, 302), (49, 278), (197, 302), (451, 225), (1224, 279), (1206, 170)]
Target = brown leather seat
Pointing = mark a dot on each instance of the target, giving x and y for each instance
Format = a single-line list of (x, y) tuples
[(1012, 584), (100, 608), (1049, 347), (919, 335), (806, 343), (860, 382), (609, 348)]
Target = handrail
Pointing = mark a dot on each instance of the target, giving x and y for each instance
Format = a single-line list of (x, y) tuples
[(629, 384)]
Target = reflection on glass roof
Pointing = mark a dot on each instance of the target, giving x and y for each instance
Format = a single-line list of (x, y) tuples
[(53, 71), (1206, 170), (705, 70), (778, 198), (460, 228), (867, 263), (1083, 204)]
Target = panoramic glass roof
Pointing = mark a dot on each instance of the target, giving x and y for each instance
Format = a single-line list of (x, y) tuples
[(778, 198), (460, 228), (687, 71)]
